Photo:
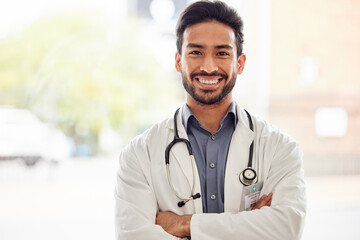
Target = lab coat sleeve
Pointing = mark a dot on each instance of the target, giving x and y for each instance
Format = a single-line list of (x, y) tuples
[(283, 220), (135, 202)]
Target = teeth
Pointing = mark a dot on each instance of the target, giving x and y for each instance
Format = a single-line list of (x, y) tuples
[(209, 81)]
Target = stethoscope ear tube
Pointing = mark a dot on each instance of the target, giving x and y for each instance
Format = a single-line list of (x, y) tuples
[(195, 196)]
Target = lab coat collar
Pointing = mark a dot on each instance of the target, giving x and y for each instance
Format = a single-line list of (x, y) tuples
[(237, 161)]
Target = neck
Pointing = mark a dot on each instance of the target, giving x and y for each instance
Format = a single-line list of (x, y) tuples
[(209, 116)]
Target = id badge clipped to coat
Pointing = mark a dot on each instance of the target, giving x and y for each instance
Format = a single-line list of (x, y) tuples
[(250, 196)]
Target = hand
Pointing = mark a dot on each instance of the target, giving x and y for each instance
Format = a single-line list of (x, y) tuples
[(265, 200), (176, 225)]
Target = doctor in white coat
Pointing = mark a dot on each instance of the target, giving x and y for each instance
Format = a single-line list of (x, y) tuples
[(209, 58)]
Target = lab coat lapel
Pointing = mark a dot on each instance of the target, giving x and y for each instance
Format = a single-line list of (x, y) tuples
[(237, 161), (180, 153)]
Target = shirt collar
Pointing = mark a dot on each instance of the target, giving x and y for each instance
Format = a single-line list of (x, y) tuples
[(187, 114)]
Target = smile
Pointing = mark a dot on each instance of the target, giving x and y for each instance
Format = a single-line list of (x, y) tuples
[(208, 81)]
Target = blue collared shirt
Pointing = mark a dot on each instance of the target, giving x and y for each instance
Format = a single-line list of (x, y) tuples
[(210, 152)]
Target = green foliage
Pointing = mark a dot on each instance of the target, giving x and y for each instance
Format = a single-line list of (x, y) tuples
[(66, 70)]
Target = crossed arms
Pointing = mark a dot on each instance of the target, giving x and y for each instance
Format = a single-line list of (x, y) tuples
[(138, 215), (179, 225)]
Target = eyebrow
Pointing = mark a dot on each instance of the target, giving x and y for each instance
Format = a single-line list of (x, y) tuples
[(226, 46), (194, 45)]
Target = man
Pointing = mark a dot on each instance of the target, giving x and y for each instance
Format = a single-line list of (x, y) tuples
[(210, 197)]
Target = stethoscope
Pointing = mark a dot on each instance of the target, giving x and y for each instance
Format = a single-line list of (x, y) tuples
[(247, 177)]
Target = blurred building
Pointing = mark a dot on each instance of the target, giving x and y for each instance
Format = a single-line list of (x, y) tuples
[(315, 80)]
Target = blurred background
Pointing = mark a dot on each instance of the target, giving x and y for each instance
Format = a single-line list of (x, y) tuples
[(79, 79)]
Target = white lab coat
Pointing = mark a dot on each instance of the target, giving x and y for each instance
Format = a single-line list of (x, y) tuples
[(142, 186)]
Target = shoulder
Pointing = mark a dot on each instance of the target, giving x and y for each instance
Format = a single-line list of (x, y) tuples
[(143, 142), (276, 142), (266, 130)]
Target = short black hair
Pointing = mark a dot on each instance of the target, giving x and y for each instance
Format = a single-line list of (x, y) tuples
[(204, 11)]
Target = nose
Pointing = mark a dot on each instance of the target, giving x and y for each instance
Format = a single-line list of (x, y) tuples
[(209, 65)]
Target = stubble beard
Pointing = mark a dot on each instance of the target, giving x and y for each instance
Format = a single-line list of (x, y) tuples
[(205, 100)]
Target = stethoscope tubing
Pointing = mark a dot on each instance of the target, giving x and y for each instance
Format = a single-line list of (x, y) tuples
[(177, 139), (242, 177), (252, 143)]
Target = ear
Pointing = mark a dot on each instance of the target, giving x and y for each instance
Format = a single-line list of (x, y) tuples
[(177, 62), (241, 63)]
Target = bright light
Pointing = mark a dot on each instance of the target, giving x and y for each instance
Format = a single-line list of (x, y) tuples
[(331, 122), (162, 10), (309, 71), (16, 15)]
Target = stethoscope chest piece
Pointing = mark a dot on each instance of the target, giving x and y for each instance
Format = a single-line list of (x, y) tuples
[(248, 176)]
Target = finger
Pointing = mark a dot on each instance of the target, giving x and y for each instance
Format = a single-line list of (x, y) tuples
[(265, 200), (269, 199), (268, 203), (261, 202)]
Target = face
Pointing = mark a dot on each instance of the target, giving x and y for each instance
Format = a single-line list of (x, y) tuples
[(208, 63)]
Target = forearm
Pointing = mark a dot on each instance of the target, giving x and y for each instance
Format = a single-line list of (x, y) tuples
[(283, 220), (179, 226), (267, 223), (174, 224)]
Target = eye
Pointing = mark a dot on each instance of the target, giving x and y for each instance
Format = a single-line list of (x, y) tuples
[(223, 54), (195, 53)]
